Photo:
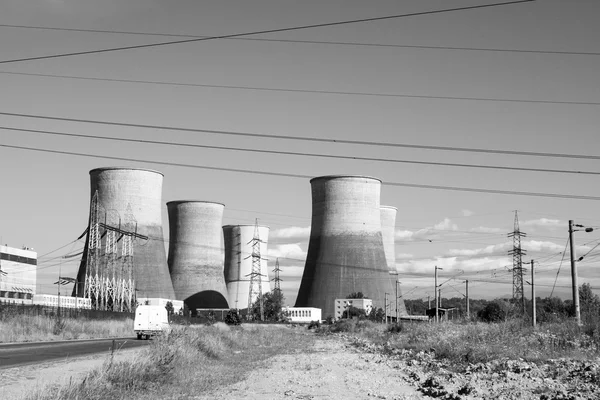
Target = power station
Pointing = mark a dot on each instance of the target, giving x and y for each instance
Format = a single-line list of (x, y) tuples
[(195, 256), (345, 252)]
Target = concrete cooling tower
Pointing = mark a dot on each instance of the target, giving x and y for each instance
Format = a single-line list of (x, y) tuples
[(388, 232), (195, 257), (345, 251), (238, 262), (133, 197)]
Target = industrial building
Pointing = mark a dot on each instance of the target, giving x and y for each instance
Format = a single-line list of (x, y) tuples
[(342, 305), (303, 315), (195, 256), (345, 252), (238, 262), (18, 275), (124, 255)]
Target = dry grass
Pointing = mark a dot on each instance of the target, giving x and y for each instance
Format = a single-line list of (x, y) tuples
[(187, 362), (481, 342), (25, 328)]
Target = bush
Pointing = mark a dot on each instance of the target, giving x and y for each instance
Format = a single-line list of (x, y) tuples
[(233, 317), (493, 312), (395, 328), (314, 324)]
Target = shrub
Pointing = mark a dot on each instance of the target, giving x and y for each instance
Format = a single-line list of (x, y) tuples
[(314, 324), (233, 317), (493, 312), (395, 328)]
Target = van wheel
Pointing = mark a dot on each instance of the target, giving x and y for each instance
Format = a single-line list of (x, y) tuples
[(139, 335)]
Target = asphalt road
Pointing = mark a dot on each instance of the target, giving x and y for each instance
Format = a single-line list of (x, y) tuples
[(16, 354)]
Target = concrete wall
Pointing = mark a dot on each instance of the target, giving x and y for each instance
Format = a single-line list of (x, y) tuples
[(238, 262), (345, 251), (139, 191), (195, 256)]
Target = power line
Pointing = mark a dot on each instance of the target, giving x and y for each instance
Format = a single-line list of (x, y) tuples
[(295, 28), (324, 42), (305, 139), (278, 152), (312, 91), (282, 174)]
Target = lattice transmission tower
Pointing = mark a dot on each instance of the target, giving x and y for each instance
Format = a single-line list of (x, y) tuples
[(277, 279), (109, 282), (517, 269), (255, 291)]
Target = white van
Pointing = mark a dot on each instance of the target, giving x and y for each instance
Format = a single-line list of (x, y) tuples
[(150, 321)]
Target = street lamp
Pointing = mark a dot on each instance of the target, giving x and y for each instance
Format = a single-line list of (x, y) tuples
[(574, 268), (397, 283)]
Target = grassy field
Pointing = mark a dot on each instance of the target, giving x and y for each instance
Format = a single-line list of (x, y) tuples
[(26, 328), (188, 361), (478, 342)]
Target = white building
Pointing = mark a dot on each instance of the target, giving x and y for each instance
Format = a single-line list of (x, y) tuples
[(18, 276), (51, 300), (342, 304), (303, 314)]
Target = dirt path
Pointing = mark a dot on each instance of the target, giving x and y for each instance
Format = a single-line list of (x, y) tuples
[(333, 371)]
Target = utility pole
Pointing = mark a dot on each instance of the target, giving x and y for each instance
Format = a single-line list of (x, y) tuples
[(386, 308), (397, 299), (255, 291), (428, 302), (533, 315), (574, 275), (467, 296), (277, 279), (435, 291)]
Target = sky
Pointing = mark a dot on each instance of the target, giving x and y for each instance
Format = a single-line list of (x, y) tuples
[(539, 96)]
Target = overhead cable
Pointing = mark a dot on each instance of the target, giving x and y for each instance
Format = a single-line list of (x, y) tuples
[(311, 91), (292, 153), (305, 139), (323, 42), (282, 174), (260, 32)]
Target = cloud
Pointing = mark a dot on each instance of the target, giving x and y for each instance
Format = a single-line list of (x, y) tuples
[(544, 246), (544, 223), (485, 229), (293, 232), (501, 248), (288, 253), (428, 232), (467, 213)]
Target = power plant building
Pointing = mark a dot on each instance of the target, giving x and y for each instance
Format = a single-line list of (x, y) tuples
[(388, 232), (126, 212), (195, 253), (238, 262), (18, 273), (346, 251)]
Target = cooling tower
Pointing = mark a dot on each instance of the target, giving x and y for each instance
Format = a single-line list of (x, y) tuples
[(345, 251), (388, 232), (238, 262), (125, 193), (195, 257)]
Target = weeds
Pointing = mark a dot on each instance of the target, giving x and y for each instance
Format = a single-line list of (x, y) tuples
[(187, 361), (25, 328)]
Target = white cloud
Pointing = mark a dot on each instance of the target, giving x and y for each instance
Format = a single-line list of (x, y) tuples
[(428, 232), (501, 248), (485, 229), (290, 251), (467, 213), (295, 232), (544, 223), (446, 225)]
